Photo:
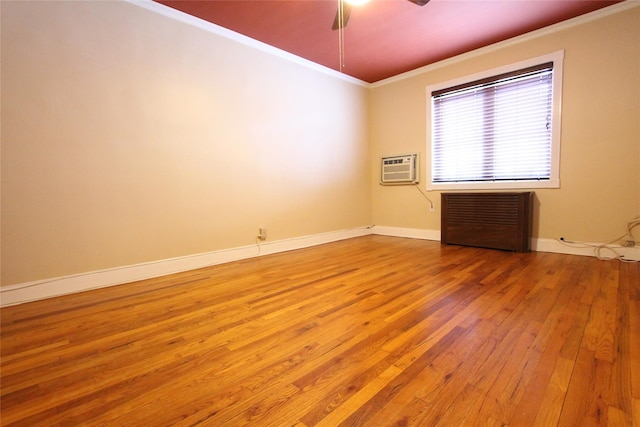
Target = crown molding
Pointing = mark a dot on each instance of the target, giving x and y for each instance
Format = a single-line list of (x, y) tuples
[(248, 41), (561, 26), (241, 38)]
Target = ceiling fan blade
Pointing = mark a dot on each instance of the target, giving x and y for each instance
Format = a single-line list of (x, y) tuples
[(346, 12)]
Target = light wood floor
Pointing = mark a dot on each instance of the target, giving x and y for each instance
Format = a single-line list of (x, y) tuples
[(373, 331)]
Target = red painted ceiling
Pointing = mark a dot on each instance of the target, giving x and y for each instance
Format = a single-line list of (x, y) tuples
[(384, 38)]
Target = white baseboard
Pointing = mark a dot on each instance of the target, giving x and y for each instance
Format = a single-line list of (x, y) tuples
[(586, 249), (414, 233), (538, 245), (48, 288)]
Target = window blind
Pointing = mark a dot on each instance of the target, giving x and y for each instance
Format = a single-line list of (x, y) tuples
[(494, 129)]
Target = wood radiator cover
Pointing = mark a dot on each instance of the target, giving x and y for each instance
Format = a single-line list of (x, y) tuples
[(489, 220)]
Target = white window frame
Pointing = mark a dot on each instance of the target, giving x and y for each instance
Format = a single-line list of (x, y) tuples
[(554, 182)]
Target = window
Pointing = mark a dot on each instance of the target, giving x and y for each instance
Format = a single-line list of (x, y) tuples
[(499, 129)]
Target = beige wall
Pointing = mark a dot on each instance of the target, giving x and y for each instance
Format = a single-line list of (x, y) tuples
[(600, 149), (130, 137)]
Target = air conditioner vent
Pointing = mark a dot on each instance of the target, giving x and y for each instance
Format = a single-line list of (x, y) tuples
[(399, 169)]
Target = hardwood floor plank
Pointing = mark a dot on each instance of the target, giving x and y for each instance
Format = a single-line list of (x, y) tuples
[(405, 381), (542, 390), (552, 401), (421, 398), (629, 281), (370, 331), (636, 412)]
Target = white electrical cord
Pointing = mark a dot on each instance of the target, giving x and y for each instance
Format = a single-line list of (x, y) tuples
[(258, 244), (432, 207), (597, 249)]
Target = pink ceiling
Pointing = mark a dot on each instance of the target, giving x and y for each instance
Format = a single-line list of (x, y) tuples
[(384, 37)]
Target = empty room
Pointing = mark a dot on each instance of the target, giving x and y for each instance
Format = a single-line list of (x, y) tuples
[(313, 213)]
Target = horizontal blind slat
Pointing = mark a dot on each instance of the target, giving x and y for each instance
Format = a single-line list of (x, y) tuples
[(500, 130)]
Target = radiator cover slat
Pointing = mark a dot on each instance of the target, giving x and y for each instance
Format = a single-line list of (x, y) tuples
[(490, 220)]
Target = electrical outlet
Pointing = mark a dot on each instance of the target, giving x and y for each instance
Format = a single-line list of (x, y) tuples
[(262, 233)]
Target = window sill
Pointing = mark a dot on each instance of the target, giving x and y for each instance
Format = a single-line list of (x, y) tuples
[(502, 185)]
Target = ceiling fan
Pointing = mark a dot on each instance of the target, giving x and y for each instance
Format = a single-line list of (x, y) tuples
[(344, 11)]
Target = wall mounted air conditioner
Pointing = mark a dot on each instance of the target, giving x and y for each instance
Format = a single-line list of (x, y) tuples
[(399, 169)]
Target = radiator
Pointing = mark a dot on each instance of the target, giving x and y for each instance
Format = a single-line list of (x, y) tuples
[(488, 220)]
